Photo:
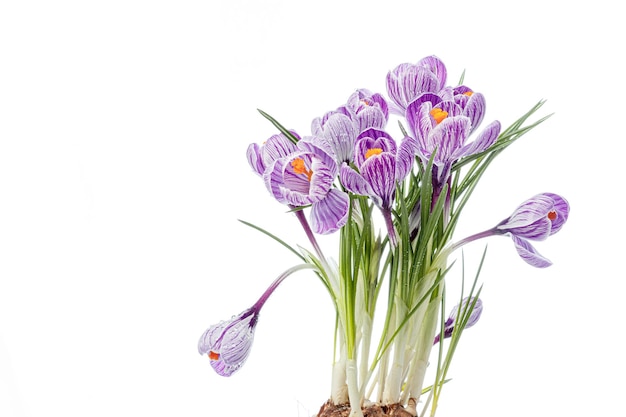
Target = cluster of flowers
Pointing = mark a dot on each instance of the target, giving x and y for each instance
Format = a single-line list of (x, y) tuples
[(349, 164)]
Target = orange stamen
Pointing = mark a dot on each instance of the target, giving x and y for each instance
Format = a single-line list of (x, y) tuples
[(372, 152), (214, 355), (552, 216), (366, 102), (438, 114), (300, 168), (468, 93)]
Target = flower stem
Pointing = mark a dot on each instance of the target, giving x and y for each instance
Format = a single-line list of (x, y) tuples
[(310, 235), (259, 304), (462, 242)]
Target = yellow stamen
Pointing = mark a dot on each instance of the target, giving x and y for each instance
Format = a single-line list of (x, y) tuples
[(438, 114), (300, 168), (214, 355), (372, 152)]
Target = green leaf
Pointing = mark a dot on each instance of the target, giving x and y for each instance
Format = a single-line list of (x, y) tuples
[(280, 127)]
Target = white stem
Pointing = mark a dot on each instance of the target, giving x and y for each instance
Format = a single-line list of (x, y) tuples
[(415, 382), (365, 351), (339, 389), (393, 384), (353, 389)]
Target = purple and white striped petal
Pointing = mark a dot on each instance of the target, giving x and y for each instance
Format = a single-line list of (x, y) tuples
[(560, 212), (255, 158), (486, 138), (447, 137), (405, 157), (379, 172), (340, 132), (331, 213), (355, 183), (406, 82), (475, 108), (437, 67), (419, 119), (317, 125), (262, 156), (370, 117), (529, 254)]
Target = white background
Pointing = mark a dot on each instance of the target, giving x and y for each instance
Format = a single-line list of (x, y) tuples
[(123, 130)]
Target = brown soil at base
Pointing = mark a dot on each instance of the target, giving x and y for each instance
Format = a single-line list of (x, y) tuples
[(374, 410)]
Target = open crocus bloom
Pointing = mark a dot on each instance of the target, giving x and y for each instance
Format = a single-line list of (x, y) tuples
[(444, 126), (305, 178)]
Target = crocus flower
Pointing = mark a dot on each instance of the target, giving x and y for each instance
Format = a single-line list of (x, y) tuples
[(406, 82), (370, 110), (444, 127), (381, 165), (535, 219), (339, 131), (451, 322), (306, 177), (228, 343)]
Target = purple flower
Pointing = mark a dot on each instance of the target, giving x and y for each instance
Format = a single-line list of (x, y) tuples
[(381, 165), (338, 131), (407, 82), (370, 110), (228, 343), (535, 219), (450, 323), (305, 177), (444, 127)]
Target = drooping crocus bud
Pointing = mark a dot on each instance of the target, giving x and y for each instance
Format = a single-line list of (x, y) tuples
[(537, 218), (228, 343), (452, 320)]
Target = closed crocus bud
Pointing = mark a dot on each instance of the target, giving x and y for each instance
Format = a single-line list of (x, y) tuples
[(228, 343), (535, 219), (468, 302)]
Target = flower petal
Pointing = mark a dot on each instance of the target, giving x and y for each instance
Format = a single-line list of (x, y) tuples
[(561, 207), (355, 183), (380, 172), (529, 254), (486, 138), (331, 213)]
